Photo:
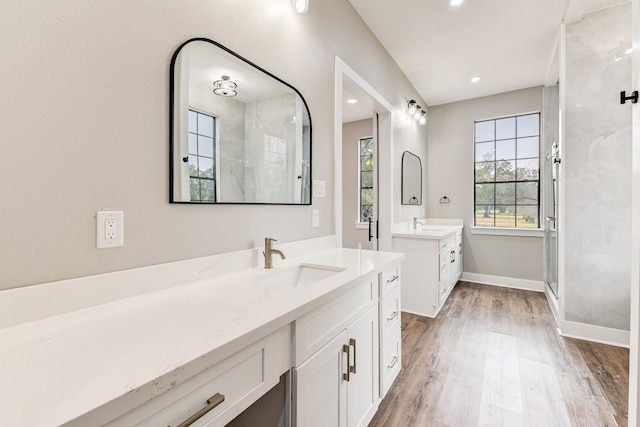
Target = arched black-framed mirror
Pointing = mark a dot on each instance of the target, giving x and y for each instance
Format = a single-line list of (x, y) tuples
[(238, 134), (411, 179)]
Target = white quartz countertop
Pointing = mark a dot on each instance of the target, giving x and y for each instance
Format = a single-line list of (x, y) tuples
[(428, 231), (55, 369)]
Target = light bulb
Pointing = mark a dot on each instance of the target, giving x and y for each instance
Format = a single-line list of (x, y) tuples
[(301, 6), (412, 107), (418, 112), (423, 118)]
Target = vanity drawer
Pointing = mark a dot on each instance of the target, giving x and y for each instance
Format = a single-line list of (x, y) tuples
[(390, 363), (318, 327), (240, 380), (449, 240), (390, 316), (389, 280)]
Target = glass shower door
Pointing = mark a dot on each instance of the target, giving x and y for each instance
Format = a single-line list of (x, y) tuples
[(551, 219)]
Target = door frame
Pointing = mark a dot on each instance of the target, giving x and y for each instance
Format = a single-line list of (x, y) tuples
[(385, 153)]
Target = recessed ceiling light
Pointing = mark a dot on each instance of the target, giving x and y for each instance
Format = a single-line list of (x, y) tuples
[(455, 2), (351, 101), (475, 79)]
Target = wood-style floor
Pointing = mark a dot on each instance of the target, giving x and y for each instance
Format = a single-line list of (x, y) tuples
[(493, 357)]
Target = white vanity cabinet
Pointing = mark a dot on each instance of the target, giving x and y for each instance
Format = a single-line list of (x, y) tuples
[(431, 269), (215, 396), (390, 326), (336, 365)]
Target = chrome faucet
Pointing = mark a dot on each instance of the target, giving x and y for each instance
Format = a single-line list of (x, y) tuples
[(416, 222), (268, 252)]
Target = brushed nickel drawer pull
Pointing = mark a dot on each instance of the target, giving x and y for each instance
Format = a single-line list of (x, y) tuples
[(393, 279), (393, 315), (393, 362), (212, 402), (347, 349), (353, 368)]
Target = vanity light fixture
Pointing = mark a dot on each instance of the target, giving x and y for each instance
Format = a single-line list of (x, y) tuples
[(301, 6), (413, 107), (225, 87)]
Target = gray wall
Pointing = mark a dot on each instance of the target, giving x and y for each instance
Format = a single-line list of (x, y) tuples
[(450, 171), (597, 163), (84, 125)]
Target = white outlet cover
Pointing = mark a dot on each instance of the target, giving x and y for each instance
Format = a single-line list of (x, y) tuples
[(116, 234), (315, 218)]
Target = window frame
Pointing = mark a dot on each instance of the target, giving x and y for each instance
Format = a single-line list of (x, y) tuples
[(514, 230), (214, 158), (360, 171)]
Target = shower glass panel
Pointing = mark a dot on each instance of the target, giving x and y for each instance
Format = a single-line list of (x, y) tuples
[(551, 219)]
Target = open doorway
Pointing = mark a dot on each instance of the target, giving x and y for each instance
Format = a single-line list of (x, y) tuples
[(363, 159)]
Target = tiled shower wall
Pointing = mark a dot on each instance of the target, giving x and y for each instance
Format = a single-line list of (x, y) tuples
[(597, 162)]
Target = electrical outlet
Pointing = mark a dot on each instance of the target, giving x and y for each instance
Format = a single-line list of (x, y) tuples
[(315, 218), (109, 229)]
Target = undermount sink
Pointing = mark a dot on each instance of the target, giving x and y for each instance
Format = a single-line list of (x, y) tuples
[(429, 228), (301, 275)]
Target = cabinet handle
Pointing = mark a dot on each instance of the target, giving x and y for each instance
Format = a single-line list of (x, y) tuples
[(393, 363), (453, 256), (352, 342), (393, 315), (460, 248), (212, 402), (347, 349), (393, 279)]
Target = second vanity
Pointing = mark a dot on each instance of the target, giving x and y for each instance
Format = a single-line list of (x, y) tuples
[(201, 352), (433, 262)]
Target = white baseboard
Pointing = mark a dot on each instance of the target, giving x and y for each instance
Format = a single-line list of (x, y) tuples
[(601, 334), (506, 282)]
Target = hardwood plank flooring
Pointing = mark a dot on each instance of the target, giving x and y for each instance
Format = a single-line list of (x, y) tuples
[(493, 357)]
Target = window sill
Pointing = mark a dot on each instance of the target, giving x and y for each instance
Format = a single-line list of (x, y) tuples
[(498, 231)]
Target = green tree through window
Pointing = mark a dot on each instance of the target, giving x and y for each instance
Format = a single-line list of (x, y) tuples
[(507, 172)]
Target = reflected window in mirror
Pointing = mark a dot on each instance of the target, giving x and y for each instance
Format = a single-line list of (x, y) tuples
[(366, 179), (202, 158)]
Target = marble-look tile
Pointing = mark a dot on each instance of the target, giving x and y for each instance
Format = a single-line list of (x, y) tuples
[(597, 162)]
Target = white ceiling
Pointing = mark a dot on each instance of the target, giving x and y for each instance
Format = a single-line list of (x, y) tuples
[(511, 44)]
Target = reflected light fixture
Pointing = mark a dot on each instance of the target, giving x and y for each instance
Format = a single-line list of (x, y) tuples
[(475, 79), (352, 101), (413, 106), (455, 2), (225, 87), (301, 6)]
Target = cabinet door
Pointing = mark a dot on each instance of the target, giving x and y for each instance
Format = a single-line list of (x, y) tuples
[(320, 391), (362, 387)]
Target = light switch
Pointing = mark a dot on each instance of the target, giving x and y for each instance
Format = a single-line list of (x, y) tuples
[(319, 188)]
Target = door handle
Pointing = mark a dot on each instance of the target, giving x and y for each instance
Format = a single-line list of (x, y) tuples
[(370, 235)]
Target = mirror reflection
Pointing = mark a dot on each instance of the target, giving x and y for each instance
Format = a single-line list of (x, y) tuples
[(238, 133), (411, 179)]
